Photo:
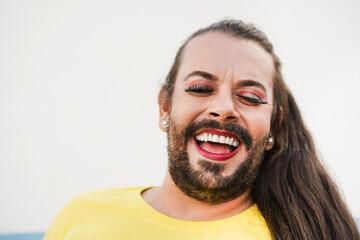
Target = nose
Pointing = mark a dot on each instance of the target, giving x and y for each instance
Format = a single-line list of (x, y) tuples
[(223, 109)]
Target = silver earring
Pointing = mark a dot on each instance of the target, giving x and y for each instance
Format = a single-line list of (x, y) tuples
[(270, 141), (165, 123)]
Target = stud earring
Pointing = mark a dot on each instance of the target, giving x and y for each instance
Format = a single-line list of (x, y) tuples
[(270, 141), (165, 123)]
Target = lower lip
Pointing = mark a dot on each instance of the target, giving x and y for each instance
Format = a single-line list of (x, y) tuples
[(215, 156)]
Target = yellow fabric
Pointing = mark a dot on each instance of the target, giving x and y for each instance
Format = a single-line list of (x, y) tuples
[(123, 214)]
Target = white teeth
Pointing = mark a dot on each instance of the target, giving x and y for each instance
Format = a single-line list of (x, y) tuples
[(207, 137), (215, 138)]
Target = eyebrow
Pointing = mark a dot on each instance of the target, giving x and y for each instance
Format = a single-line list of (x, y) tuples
[(203, 74)]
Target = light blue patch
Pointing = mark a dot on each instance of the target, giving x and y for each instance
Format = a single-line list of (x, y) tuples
[(24, 236)]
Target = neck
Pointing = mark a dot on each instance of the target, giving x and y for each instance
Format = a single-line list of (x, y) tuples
[(171, 201)]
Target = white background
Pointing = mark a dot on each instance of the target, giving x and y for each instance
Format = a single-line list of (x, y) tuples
[(79, 83)]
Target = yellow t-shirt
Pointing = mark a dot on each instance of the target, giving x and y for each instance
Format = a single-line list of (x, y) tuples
[(123, 214)]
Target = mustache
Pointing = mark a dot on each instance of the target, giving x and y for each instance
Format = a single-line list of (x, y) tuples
[(239, 131)]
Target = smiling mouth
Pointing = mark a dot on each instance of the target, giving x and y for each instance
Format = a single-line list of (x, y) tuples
[(217, 145)]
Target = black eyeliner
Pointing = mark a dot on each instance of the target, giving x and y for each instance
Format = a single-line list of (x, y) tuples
[(254, 100)]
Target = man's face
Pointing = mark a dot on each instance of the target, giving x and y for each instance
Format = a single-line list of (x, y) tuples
[(223, 89)]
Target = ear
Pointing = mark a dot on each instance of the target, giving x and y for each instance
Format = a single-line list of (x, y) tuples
[(164, 107), (270, 145)]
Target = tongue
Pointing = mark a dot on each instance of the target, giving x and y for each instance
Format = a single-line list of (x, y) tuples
[(217, 148)]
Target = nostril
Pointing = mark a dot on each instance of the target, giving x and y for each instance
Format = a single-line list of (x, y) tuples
[(230, 117), (215, 114)]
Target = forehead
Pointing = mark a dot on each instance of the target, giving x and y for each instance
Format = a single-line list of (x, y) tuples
[(227, 57)]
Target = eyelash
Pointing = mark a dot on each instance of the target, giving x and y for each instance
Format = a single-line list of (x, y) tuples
[(255, 99), (200, 89)]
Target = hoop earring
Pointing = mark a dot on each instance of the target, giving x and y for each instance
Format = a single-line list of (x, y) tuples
[(165, 123)]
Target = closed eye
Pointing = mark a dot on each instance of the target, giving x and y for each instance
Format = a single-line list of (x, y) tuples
[(251, 98), (199, 89)]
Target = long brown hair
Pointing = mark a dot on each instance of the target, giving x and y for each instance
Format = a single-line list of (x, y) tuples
[(295, 194)]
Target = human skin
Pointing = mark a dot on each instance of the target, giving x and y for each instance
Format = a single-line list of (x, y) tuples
[(238, 68)]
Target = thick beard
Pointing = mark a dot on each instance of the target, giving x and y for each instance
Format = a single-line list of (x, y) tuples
[(207, 184)]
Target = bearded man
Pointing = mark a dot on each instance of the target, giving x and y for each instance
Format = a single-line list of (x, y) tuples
[(241, 165)]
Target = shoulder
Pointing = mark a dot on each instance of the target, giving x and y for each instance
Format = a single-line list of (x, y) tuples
[(87, 208), (109, 195), (102, 201)]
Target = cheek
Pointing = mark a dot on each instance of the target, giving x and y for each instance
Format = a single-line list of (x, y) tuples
[(186, 107), (257, 123)]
